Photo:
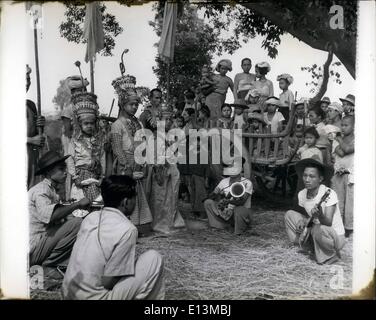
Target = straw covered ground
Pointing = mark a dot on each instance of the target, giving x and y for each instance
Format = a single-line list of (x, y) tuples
[(203, 263)]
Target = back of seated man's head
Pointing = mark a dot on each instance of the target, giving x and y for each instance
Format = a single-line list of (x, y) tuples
[(116, 188)]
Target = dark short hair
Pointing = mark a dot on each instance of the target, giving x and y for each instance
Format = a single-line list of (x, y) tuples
[(320, 112), (190, 111), (154, 90), (262, 70), (115, 188), (245, 59), (312, 131), (180, 118), (189, 94), (206, 110), (319, 168), (351, 117), (226, 105)]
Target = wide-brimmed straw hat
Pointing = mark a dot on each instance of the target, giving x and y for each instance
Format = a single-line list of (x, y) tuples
[(349, 98), (326, 171), (49, 160)]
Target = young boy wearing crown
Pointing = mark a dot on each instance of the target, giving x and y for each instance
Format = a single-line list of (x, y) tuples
[(87, 162), (123, 131)]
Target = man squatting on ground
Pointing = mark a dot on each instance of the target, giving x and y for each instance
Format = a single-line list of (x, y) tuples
[(53, 229), (327, 234)]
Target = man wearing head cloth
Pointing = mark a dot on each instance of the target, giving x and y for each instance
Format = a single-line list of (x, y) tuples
[(34, 141)]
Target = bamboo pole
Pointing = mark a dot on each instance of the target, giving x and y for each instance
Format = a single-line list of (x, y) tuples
[(168, 82), (39, 104), (92, 75)]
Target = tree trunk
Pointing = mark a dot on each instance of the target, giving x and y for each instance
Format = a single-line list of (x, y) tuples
[(313, 29), (325, 80)]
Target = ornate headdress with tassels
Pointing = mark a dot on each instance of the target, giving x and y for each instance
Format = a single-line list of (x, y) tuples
[(85, 105), (125, 88)]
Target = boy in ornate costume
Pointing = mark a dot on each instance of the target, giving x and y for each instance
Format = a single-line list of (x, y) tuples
[(123, 131)]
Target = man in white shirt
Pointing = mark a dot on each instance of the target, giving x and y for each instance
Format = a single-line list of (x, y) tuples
[(103, 263), (327, 232)]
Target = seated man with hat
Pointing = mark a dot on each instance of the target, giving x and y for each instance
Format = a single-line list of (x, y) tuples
[(327, 233), (51, 235), (230, 203)]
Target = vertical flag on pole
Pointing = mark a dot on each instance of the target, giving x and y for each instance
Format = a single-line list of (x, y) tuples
[(166, 46), (94, 35), (167, 43)]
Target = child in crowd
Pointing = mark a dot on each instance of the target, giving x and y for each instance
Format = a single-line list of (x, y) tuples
[(273, 117), (343, 179), (189, 98), (216, 99), (240, 117), (334, 114), (256, 122), (87, 163), (262, 84), (204, 117), (189, 120), (252, 99), (286, 97), (207, 83), (324, 103), (243, 82), (300, 113), (225, 121), (179, 122), (124, 146), (317, 117), (309, 149), (348, 104)]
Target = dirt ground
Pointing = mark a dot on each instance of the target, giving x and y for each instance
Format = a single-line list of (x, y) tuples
[(203, 263)]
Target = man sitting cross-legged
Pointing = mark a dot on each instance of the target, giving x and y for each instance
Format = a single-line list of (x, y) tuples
[(103, 263)]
